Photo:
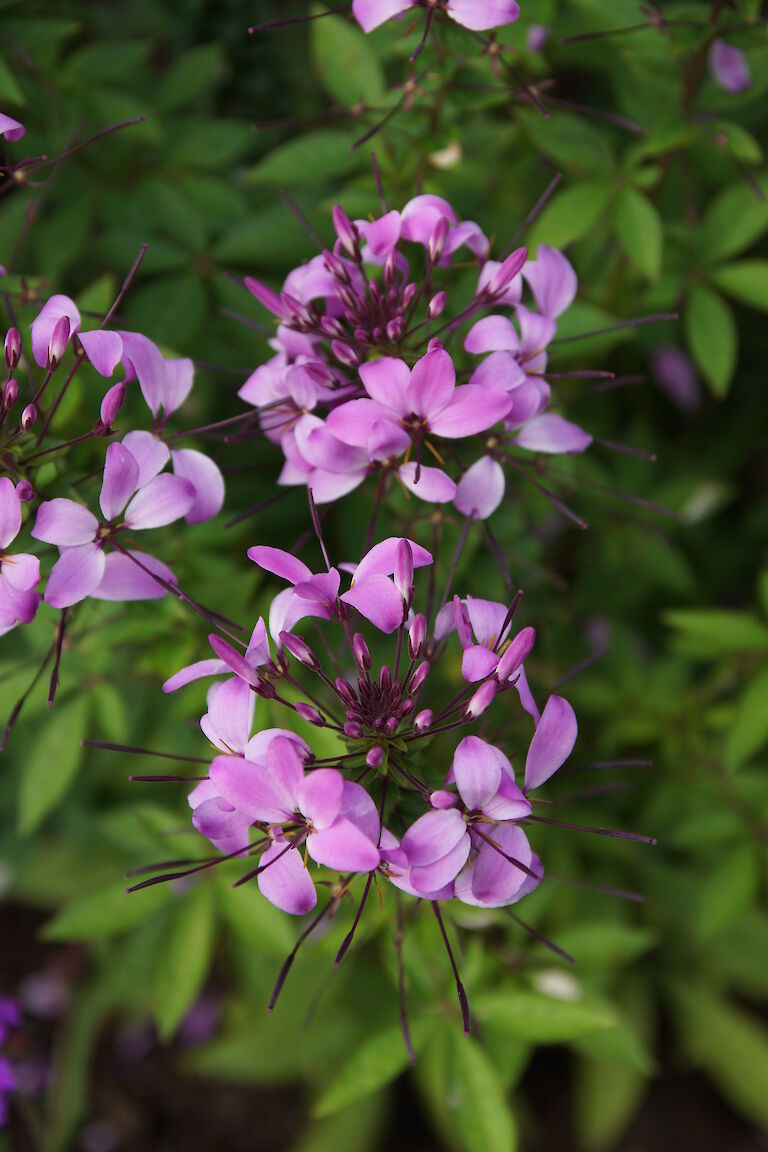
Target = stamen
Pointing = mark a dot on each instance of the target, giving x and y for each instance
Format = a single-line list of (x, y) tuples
[(636, 322), (399, 937), (54, 682), (106, 747), (348, 938), (285, 21), (283, 974), (617, 833), (540, 938), (317, 528), (463, 1004)]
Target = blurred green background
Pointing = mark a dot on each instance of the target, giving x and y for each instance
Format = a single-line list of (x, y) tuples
[(158, 1038)]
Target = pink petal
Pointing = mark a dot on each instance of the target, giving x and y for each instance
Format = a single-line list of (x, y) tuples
[(492, 881), (164, 499), (322, 449), (376, 598), (197, 671), (286, 883), (320, 795), (480, 16), (499, 370), (75, 575), (257, 748), (10, 128), (551, 433), (386, 381), (121, 479), (433, 835), (280, 563), (150, 454), (382, 558), (43, 325), (65, 523), (487, 619), (428, 878), (352, 422), (433, 381), (461, 622), (536, 332), (481, 489), (552, 742), (728, 66), (225, 827), (253, 789), (125, 580), (420, 216), (492, 334), (179, 378), (330, 486), (552, 280), (387, 440), (527, 401), (358, 807), (477, 771), (471, 410), (143, 360), (509, 803), (103, 349), (227, 723), (16, 606), (512, 293), (205, 478), (10, 512), (382, 235), (22, 571), (344, 847), (477, 662), (433, 484)]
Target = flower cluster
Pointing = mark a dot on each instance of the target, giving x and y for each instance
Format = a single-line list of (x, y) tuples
[(362, 384)]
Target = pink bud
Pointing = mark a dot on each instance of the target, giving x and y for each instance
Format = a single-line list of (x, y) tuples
[(360, 648), (390, 269), (24, 491), (12, 348), (353, 729), (336, 266), (11, 394), (374, 757), (344, 353), (385, 679), (442, 799), (417, 634), (297, 647), (308, 712), (345, 229), (423, 720), (267, 297), (436, 305), (515, 654), (112, 403), (404, 570), (409, 292), (506, 271), (263, 687), (345, 690), (234, 660), (28, 417), (481, 700), (419, 677), (437, 240), (435, 344), (57, 345), (331, 326), (394, 330)]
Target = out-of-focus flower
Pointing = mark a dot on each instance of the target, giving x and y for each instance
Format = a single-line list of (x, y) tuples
[(10, 128), (19, 572), (478, 15), (729, 67)]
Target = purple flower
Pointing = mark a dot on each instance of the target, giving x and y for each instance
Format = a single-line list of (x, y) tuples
[(257, 657), (481, 489), (19, 572), (135, 496), (676, 375), (10, 128), (729, 67), (310, 594), (10, 1016), (478, 15), (8, 1081), (373, 593)]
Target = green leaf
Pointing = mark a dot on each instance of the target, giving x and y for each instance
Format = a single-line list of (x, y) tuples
[(309, 159), (202, 143), (726, 890), (52, 762), (601, 943), (347, 63), (608, 1095), (171, 309), (571, 214), (184, 958), (749, 731), (713, 632), (10, 93), (733, 221), (354, 1130), (105, 911), (378, 1061), (541, 1019), (640, 231), (480, 1113), (746, 281), (622, 1044), (193, 74), (712, 337), (727, 1044)]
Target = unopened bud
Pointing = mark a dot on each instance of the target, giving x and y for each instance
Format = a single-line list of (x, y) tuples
[(392, 724), (390, 269), (265, 296), (417, 634), (353, 729), (385, 679), (436, 305), (394, 330), (336, 266), (331, 326), (435, 344), (442, 799), (344, 353), (57, 345), (437, 240), (481, 700), (345, 229), (12, 348), (423, 720), (404, 570), (298, 648), (409, 292), (28, 417), (374, 757), (11, 394), (506, 272), (24, 491), (419, 676), (235, 661), (515, 654), (311, 714), (111, 404), (360, 648), (346, 691), (263, 688)]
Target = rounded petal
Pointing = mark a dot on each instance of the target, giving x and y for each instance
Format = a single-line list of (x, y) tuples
[(480, 16), (227, 723), (164, 499), (22, 571), (492, 334), (477, 662), (131, 579), (487, 618), (492, 880), (205, 478), (499, 370), (10, 128), (432, 384), (552, 280), (378, 600), (432, 836), (143, 361), (386, 381), (150, 454), (358, 807), (433, 485), (382, 558), (320, 796), (344, 847), (477, 771), (280, 563), (179, 378), (10, 512), (551, 433), (197, 671), (121, 479), (428, 878), (253, 789), (75, 575), (44, 323), (103, 349), (481, 489), (285, 880), (65, 523), (471, 410), (353, 422), (552, 742), (225, 827)]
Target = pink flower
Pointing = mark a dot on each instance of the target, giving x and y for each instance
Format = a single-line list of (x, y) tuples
[(10, 128), (479, 15), (19, 572), (729, 67), (373, 592)]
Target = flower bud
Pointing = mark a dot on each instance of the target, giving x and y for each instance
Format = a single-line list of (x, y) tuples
[(374, 757), (24, 491), (298, 648), (390, 268), (360, 649), (385, 679), (311, 714), (235, 661), (28, 417), (409, 292), (331, 326), (417, 634), (336, 266), (346, 691), (481, 700), (112, 403), (263, 687), (404, 570), (345, 229), (442, 799), (344, 353), (515, 654), (265, 296), (12, 348), (437, 240), (295, 309), (506, 272), (436, 305), (394, 330), (423, 720), (353, 729), (57, 345), (419, 676), (11, 394)]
